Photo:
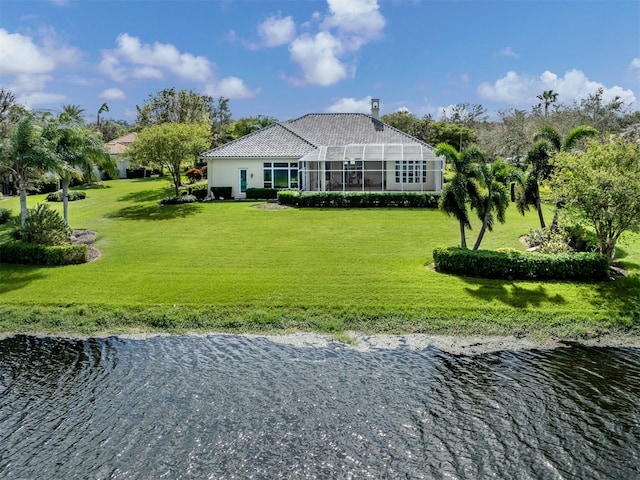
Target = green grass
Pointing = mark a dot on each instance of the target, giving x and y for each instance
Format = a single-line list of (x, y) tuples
[(227, 266)]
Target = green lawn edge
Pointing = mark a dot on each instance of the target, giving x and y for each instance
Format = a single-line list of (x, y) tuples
[(102, 320)]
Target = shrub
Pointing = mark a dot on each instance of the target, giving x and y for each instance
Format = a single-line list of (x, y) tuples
[(573, 238), (199, 191), (45, 226), (186, 198), (73, 196), (359, 199), (262, 193), (204, 171), (36, 254), (193, 174), (5, 215), (521, 265), (222, 192), (44, 185), (137, 172)]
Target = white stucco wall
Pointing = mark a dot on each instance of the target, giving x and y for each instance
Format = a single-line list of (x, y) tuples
[(222, 172)]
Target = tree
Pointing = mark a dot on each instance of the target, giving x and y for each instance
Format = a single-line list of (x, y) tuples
[(605, 116), (10, 111), (220, 116), (600, 186), (171, 146), (463, 187), (494, 197), (174, 106), (247, 125), (455, 134), (72, 113), (403, 120), (466, 113), (103, 108), (27, 155), (538, 170), (78, 150), (557, 143), (547, 97)]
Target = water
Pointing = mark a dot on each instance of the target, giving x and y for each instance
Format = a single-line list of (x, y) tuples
[(239, 407)]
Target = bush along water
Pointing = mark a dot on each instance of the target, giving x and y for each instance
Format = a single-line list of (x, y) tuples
[(521, 265)]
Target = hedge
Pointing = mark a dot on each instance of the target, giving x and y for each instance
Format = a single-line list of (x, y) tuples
[(221, 192), (35, 254), (262, 193), (521, 265), (72, 196), (358, 199)]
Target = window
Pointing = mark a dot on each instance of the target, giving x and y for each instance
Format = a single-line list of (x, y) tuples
[(411, 171), (280, 174)]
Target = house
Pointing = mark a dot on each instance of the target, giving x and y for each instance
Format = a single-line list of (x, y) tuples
[(340, 152), (116, 148)]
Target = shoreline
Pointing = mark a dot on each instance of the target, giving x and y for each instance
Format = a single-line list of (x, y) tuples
[(451, 344)]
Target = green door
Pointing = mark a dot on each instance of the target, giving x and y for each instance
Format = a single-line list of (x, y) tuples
[(243, 180)]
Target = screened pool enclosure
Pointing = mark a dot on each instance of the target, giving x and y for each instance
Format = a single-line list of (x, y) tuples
[(371, 168)]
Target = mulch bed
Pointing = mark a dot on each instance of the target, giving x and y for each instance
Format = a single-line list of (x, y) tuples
[(88, 237)]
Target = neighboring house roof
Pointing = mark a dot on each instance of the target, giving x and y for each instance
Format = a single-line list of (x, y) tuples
[(272, 141), (303, 135), (120, 144)]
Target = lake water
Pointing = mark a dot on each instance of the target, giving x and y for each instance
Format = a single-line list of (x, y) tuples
[(245, 407)]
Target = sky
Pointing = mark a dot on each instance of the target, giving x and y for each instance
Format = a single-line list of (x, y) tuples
[(288, 58)]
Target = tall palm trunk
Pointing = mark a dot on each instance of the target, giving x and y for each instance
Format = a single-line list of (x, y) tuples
[(463, 238), (483, 229), (22, 189), (64, 183)]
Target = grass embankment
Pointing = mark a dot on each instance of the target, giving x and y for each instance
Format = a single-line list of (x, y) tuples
[(229, 267)]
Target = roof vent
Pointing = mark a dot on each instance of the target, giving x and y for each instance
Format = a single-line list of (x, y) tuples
[(375, 108)]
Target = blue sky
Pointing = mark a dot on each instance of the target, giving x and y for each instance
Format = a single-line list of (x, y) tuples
[(288, 58)]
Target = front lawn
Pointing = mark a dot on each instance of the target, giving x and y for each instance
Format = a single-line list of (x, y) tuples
[(227, 266)]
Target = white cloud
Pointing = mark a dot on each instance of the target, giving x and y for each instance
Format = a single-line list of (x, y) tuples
[(360, 17), (318, 58), (135, 59), (132, 58), (328, 56), (506, 52), (351, 105), (113, 94), (39, 98), (232, 87), (20, 55), (276, 31), (518, 89), (29, 63)]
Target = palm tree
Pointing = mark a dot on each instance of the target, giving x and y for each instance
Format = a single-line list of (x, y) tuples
[(553, 138), (547, 97), (463, 187), (27, 155), (538, 170), (72, 113), (78, 151), (103, 108), (495, 196)]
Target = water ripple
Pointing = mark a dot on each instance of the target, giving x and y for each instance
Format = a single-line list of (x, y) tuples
[(239, 407)]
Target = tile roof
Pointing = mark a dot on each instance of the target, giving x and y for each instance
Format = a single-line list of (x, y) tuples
[(272, 141), (120, 144), (298, 137), (346, 128)]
